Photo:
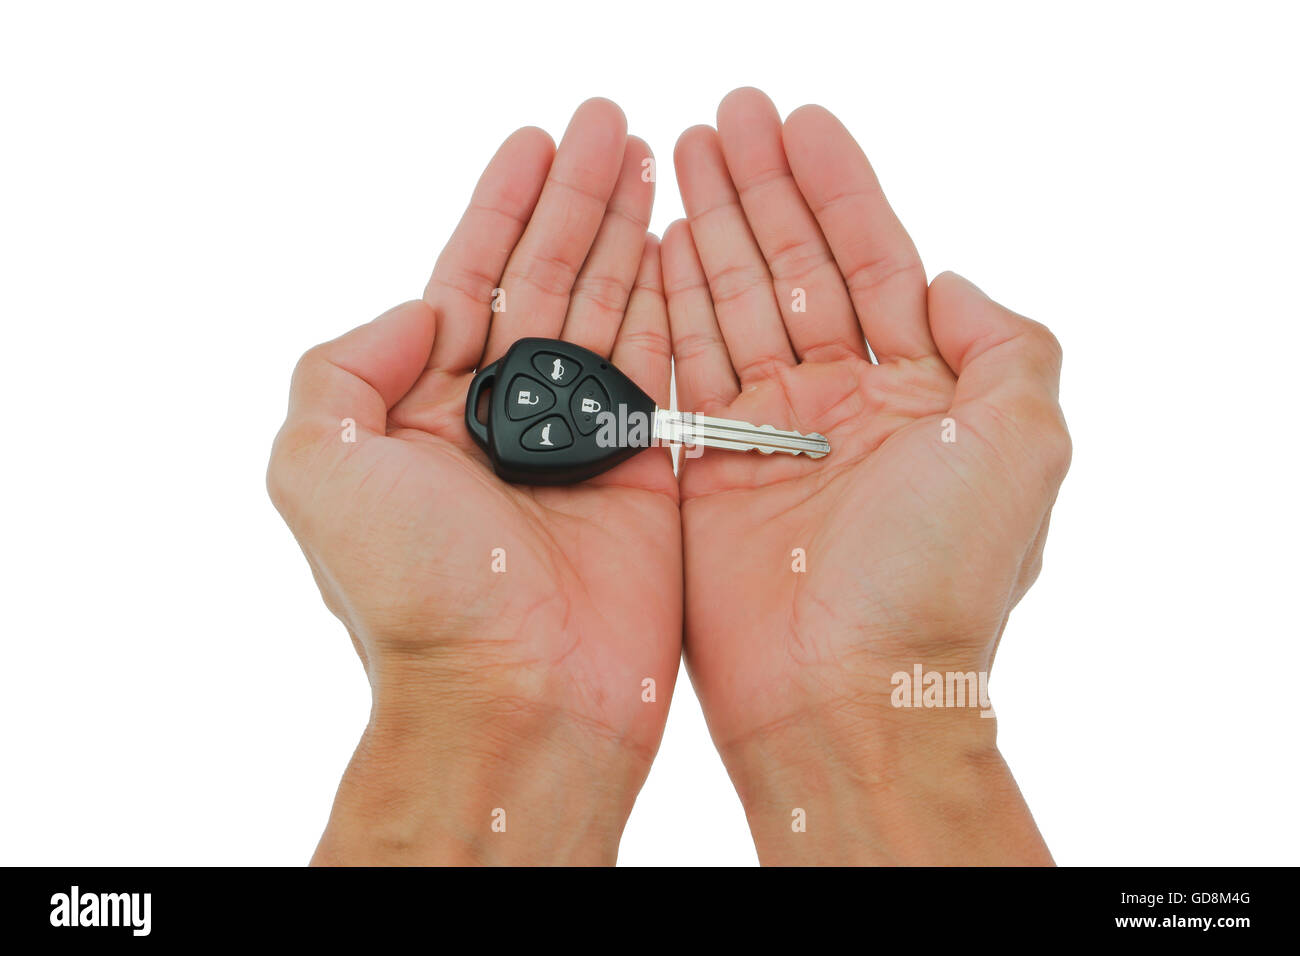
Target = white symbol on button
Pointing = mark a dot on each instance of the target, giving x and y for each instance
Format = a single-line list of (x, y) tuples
[(590, 405), (546, 436), (528, 398), (557, 371)]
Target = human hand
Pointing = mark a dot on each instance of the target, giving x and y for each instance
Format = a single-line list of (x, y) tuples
[(916, 548), (519, 691)]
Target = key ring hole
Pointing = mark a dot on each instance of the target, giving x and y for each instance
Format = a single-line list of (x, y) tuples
[(481, 408), (476, 405)]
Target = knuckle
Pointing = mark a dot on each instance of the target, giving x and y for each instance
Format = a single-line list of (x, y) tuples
[(467, 281), (1057, 446), (688, 346), (605, 293), (875, 271), (760, 366), (1045, 346), (1029, 575), (1035, 417), (551, 274), (277, 484), (797, 258), (735, 282), (650, 341), (291, 453), (307, 364), (678, 286)]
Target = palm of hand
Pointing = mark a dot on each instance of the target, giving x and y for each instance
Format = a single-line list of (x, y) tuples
[(752, 526), (572, 615), (808, 583), (542, 601), (807, 577)]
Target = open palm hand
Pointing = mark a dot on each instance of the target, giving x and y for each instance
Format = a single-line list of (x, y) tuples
[(526, 607), (810, 582)]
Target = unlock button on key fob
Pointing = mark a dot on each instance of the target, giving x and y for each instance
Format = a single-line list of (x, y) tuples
[(527, 398)]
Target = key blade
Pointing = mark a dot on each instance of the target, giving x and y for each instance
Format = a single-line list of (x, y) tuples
[(685, 428)]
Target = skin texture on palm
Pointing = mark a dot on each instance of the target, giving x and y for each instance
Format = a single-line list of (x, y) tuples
[(508, 684), (916, 548)]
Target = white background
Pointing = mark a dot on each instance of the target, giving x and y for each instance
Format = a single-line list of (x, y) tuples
[(193, 194)]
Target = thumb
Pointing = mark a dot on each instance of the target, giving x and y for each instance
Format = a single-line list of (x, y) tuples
[(365, 372), (1008, 372)]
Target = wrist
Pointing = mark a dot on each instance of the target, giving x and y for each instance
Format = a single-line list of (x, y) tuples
[(458, 775), (874, 787)]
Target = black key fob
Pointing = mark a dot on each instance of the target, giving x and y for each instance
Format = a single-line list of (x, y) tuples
[(557, 413)]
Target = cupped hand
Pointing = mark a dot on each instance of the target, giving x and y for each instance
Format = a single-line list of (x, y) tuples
[(810, 583), (508, 632)]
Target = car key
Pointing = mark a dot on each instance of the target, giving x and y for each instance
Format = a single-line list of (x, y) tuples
[(559, 413)]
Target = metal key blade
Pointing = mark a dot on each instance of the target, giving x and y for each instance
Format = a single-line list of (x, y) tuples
[(686, 428)]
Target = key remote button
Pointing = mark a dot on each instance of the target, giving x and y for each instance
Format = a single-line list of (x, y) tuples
[(558, 370), (527, 397), (548, 435), (588, 401)]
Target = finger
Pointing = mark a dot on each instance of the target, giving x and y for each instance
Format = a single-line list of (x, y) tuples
[(705, 378), (540, 273), (810, 291), (643, 349), (875, 254), (469, 269), (741, 286), (364, 373), (1008, 373), (600, 294)]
